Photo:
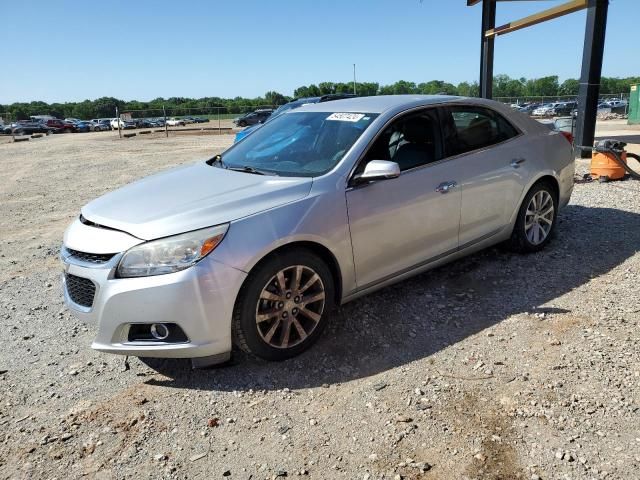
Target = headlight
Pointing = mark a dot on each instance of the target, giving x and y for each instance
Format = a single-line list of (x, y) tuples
[(171, 254)]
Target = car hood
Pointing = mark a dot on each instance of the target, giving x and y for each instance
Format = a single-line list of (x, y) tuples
[(191, 197)]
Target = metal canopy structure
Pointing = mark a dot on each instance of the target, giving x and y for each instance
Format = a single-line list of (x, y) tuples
[(592, 55)]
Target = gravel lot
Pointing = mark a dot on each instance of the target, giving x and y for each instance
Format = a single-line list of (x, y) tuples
[(498, 366)]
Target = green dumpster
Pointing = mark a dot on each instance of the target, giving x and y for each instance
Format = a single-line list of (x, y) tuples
[(634, 105)]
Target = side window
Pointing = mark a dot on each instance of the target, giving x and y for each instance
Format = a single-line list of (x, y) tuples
[(410, 141), (471, 128)]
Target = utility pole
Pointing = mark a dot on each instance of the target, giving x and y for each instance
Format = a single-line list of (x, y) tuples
[(164, 115), (354, 79), (118, 120)]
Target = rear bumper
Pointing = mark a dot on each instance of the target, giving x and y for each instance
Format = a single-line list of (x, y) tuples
[(199, 300)]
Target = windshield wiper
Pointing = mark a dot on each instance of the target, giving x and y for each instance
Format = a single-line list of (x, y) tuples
[(248, 169)]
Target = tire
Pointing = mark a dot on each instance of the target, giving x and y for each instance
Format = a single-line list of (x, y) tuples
[(532, 232), (289, 326), (242, 124)]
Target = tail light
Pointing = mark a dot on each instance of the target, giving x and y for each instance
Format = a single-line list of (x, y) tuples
[(568, 136)]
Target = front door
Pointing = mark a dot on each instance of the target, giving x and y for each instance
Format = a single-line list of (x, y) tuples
[(401, 223)]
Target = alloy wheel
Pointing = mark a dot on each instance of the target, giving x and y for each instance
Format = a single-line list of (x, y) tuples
[(290, 306), (539, 217)]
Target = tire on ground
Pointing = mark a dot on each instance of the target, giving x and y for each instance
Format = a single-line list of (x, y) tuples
[(245, 326), (519, 241)]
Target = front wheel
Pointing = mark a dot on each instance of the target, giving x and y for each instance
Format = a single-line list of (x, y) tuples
[(536, 219), (283, 306)]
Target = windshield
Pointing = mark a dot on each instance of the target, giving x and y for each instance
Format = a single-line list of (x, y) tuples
[(299, 144), (295, 104)]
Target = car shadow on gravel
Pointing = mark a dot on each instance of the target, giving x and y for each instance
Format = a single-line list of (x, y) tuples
[(418, 317)]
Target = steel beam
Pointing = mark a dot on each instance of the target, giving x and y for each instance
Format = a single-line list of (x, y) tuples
[(549, 14), (590, 78), (487, 49)]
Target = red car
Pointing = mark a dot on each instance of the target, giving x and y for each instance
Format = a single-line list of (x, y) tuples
[(61, 125)]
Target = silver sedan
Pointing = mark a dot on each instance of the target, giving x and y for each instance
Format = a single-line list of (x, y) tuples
[(324, 204)]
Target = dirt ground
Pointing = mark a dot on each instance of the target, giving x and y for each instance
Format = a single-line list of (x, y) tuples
[(498, 366)]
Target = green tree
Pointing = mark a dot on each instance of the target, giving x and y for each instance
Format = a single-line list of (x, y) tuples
[(569, 87), (434, 87), (275, 98), (505, 86), (327, 87), (467, 89)]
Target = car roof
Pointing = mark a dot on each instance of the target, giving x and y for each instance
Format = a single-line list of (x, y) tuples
[(377, 104)]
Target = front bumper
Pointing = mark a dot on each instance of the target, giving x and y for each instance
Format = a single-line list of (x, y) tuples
[(199, 300)]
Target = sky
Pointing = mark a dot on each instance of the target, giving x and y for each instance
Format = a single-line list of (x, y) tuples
[(71, 50)]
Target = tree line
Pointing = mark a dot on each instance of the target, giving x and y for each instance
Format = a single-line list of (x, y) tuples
[(503, 86)]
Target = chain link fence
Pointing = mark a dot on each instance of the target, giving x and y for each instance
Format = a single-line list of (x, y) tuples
[(528, 102), (215, 119), (5, 120)]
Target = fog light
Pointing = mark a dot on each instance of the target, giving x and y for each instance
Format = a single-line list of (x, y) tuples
[(159, 331), (156, 332)]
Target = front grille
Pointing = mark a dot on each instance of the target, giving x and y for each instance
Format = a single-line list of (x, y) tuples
[(91, 257), (81, 290)]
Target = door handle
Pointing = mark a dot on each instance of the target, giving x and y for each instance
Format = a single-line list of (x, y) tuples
[(516, 162), (444, 187)]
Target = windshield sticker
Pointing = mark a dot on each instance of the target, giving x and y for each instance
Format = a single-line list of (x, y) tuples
[(346, 117)]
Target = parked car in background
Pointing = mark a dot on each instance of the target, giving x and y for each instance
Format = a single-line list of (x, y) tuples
[(152, 122), (196, 119), (529, 108), (41, 118), (100, 124), (564, 108), (175, 122), (316, 208), (142, 122), (252, 118), (617, 103), (299, 102), (61, 125), (28, 127), (82, 126), (602, 109), (546, 110), (124, 124)]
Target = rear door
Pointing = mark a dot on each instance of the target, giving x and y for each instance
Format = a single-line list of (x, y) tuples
[(491, 155)]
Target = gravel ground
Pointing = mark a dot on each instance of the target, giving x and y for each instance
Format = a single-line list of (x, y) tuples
[(498, 366)]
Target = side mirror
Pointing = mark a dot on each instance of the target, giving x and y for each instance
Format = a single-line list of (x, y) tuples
[(377, 170)]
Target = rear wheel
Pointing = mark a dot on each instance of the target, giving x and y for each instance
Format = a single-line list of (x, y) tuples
[(282, 308), (536, 219)]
